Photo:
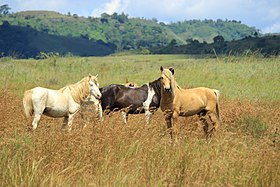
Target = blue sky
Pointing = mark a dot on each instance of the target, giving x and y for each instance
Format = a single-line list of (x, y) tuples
[(262, 14)]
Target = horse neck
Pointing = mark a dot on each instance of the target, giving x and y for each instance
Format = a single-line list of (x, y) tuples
[(156, 85), (166, 101), (79, 91), (175, 87), (167, 98)]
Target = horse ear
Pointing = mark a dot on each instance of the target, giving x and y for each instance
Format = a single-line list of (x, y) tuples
[(89, 75), (161, 68), (126, 80), (96, 75), (172, 70)]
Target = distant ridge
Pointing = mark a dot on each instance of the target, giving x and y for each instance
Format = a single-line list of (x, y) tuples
[(118, 29)]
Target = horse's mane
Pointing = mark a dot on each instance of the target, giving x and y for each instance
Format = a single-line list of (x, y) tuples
[(168, 97), (80, 90), (171, 77)]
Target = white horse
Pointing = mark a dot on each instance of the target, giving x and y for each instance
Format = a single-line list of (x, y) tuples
[(64, 102)]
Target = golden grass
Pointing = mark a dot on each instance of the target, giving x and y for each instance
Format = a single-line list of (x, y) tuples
[(110, 153), (245, 151)]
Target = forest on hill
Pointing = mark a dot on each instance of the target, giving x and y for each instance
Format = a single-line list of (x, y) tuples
[(48, 31), (265, 46), (26, 42)]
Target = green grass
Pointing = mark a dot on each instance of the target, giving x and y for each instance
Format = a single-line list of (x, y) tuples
[(250, 78), (253, 126)]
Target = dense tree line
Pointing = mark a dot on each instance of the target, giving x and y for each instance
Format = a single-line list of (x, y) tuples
[(266, 46)]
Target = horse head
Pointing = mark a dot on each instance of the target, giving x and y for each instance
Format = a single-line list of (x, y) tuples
[(167, 78), (94, 86), (130, 84)]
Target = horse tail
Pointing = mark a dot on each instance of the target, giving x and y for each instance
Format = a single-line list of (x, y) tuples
[(217, 93), (27, 103)]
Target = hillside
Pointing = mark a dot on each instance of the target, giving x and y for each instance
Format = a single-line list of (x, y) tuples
[(206, 30), (26, 42), (127, 33), (266, 45)]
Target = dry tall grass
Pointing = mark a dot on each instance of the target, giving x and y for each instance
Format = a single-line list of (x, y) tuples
[(245, 151), (109, 153)]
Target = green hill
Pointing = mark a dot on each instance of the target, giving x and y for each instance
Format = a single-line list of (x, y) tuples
[(128, 33), (206, 30), (26, 42)]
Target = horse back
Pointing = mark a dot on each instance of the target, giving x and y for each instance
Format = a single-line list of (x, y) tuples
[(198, 97), (115, 97)]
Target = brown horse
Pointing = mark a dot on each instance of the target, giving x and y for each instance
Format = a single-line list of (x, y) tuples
[(130, 84), (176, 101)]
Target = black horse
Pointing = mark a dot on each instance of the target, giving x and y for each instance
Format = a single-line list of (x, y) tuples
[(129, 100)]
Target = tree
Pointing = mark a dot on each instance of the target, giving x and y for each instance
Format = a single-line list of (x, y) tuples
[(122, 18), (218, 39), (4, 9), (173, 42), (104, 18)]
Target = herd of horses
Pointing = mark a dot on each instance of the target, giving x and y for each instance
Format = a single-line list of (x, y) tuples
[(163, 93)]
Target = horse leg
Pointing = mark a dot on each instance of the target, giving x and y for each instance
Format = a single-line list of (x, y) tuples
[(65, 122), (35, 121), (147, 112), (214, 118), (70, 120), (175, 118), (39, 108), (124, 116), (203, 120), (168, 120), (99, 111), (82, 114), (148, 115)]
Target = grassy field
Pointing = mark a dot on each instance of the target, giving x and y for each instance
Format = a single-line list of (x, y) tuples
[(245, 151)]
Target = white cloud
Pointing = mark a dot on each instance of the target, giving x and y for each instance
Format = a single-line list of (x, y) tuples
[(111, 7), (275, 28)]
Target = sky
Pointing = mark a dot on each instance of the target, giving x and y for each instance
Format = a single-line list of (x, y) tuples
[(261, 14)]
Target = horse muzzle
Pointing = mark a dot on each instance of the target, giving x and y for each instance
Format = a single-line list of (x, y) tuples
[(167, 89), (98, 96)]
